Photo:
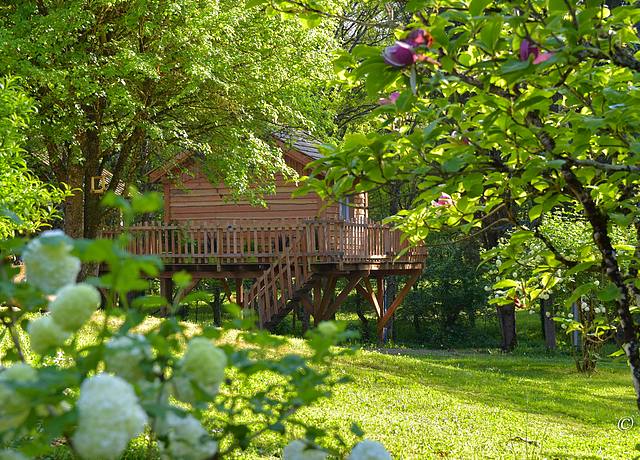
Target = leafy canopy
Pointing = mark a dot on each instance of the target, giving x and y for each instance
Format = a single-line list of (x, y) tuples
[(26, 204)]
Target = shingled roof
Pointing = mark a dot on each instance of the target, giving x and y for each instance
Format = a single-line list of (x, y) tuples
[(300, 141), (295, 140)]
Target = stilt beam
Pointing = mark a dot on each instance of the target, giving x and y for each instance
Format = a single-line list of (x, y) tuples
[(382, 322), (239, 292), (327, 295), (380, 292), (226, 288), (307, 309), (352, 281), (317, 300), (364, 288), (166, 291)]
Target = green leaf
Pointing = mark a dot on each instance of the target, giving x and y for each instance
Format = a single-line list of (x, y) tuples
[(609, 293), (476, 7)]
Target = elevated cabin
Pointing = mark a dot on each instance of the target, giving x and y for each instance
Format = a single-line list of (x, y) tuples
[(189, 196), (294, 250)]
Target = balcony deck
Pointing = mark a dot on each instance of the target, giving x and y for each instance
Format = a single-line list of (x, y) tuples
[(291, 261), (245, 244)]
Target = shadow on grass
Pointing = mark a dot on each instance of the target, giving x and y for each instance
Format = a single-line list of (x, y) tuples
[(546, 386)]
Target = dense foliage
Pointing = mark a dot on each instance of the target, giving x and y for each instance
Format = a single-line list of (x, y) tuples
[(131, 376), (508, 106), (124, 86), (26, 204)]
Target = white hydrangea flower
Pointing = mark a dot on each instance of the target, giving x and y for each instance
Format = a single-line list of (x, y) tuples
[(596, 282), (564, 326), (487, 288), (73, 306), (584, 305), (48, 261), (124, 354), (109, 416), (45, 334), (14, 407), (498, 263), (586, 308), (10, 454), (186, 439), (369, 450), (300, 450), (570, 315), (327, 328), (203, 364)]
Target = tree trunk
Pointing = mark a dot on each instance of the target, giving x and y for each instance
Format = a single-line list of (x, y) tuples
[(364, 321), (548, 325), (216, 307), (74, 205), (507, 319), (600, 223)]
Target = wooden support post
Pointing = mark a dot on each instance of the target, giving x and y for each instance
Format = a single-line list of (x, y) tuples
[(317, 300), (387, 332), (239, 292), (352, 281), (166, 291), (398, 300), (327, 296), (226, 288), (307, 308), (364, 288), (216, 307)]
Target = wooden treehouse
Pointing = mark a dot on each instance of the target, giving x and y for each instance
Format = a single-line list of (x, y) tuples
[(295, 251)]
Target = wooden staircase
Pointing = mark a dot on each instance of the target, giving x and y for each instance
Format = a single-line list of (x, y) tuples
[(281, 285)]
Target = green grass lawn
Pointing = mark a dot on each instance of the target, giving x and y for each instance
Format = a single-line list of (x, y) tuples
[(466, 405), (480, 406)]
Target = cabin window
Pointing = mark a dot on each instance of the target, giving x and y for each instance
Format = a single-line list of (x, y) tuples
[(345, 210)]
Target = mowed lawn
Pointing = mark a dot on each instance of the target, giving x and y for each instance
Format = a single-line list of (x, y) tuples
[(466, 405), (481, 406)]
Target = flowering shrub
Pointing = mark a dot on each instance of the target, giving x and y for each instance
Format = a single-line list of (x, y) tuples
[(530, 276), (109, 416), (51, 265), (93, 381)]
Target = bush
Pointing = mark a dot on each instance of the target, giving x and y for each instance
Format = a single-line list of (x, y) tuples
[(95, 397)]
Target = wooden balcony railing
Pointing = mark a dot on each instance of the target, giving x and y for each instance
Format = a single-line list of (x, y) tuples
[(261, 241)]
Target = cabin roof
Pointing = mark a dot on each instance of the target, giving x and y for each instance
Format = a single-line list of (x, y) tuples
[(294, 140), (300, 141)]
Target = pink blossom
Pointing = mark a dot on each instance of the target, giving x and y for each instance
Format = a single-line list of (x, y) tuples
[(543, 57), (393, 97), (419, 37), (444, 200)]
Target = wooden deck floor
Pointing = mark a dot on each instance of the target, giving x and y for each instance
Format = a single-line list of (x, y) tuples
[(225, 244), (291, 262)]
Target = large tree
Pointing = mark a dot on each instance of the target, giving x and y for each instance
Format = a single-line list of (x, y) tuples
[(26, 204), (508, 107), (124, 85)]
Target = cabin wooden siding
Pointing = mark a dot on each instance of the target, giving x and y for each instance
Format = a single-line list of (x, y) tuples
[(192, 197)]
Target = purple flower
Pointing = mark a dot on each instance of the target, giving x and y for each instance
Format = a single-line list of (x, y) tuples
[(527, 49), (399, 55), (419, 37), (393, 97)]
